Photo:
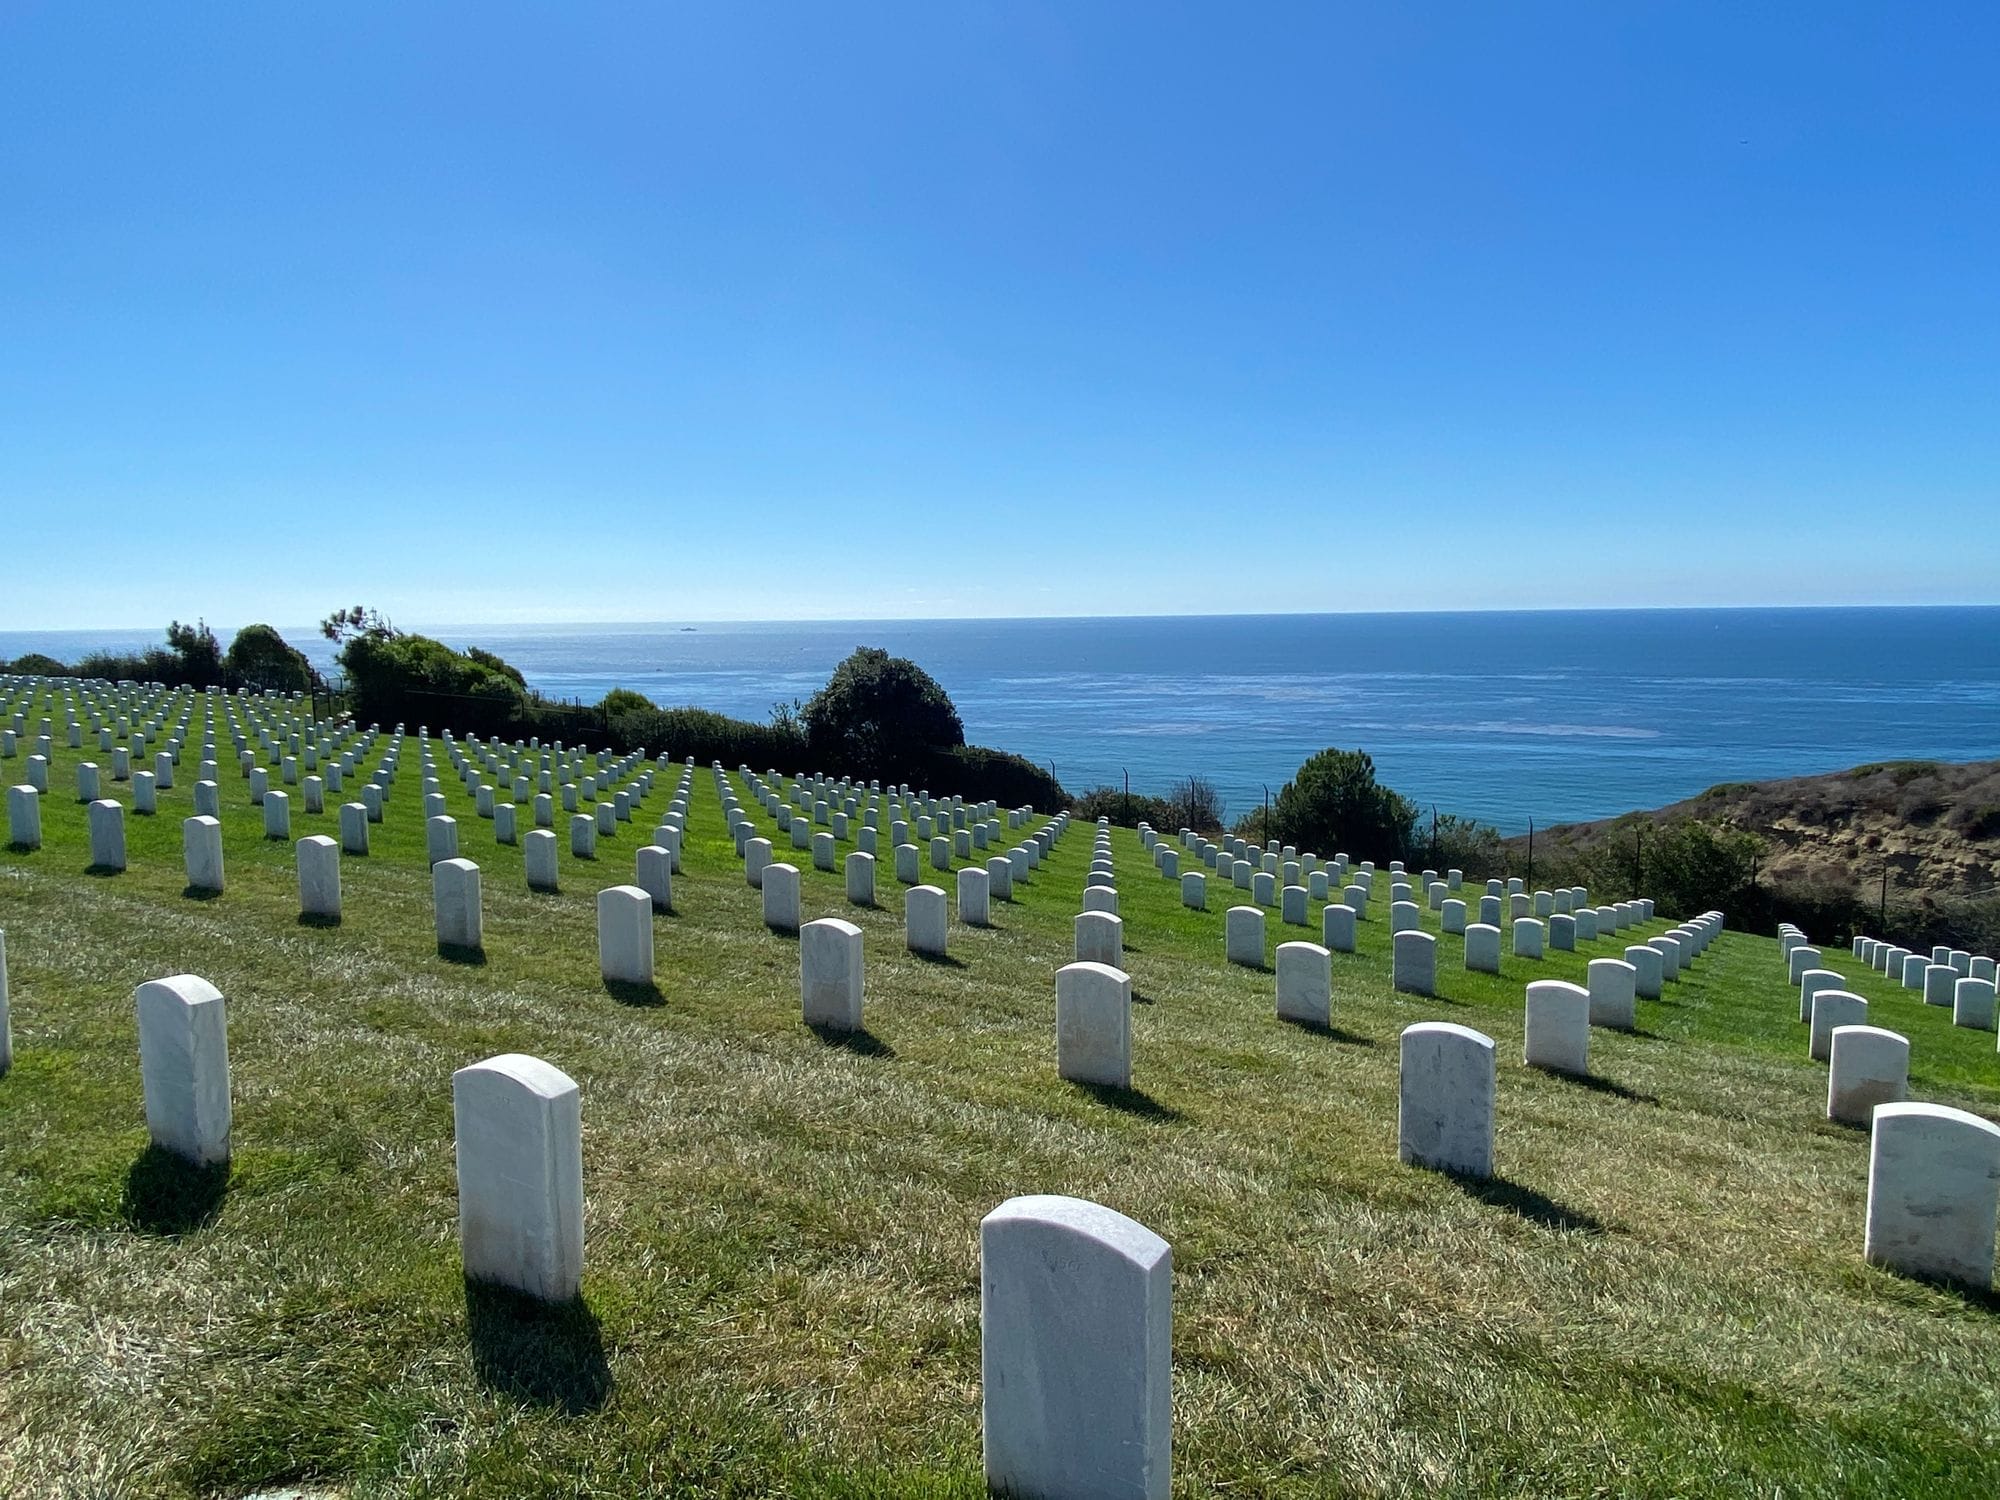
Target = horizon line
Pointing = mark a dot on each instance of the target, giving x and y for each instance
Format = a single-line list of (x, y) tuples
[(1057, 619)]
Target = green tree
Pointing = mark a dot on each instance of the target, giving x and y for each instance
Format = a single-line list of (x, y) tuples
[(878, 712), (617, 701), (1692, 865), (1458, 842), (35, 664), (264, 661), (343, 625), (198, 654), (1194, 803), (1334, 803), (394, 677)]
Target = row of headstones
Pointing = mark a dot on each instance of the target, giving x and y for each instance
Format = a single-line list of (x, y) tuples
[(1075, 1305), (1072, 1293), (819, 815), (926, 917), (456, 884), (126, 718), (318, 857), (1076, 1299), (1650, 965), (331, 740), (1564, 917), (106, 817), (202, 833), (1947, 976), (1866, 1065), (1933, 1171)]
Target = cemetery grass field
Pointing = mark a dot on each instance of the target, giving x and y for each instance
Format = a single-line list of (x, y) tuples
[(1663, 1293)]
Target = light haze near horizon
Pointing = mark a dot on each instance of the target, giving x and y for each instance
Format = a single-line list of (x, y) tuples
[(623, 313)]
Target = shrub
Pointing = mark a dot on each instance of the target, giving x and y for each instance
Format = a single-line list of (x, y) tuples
[(197, 654), (1126, 810), (1920, 805), (878, 715), (1461, 843), (707, 736), (1334, 803), (394, 678), (1194, 804), (487, 659), (1978, 822), (979, 774), (262, 660), (621, 701), (34, 664)]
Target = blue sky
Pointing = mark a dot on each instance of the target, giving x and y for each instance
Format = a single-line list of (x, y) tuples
[(508, 312)]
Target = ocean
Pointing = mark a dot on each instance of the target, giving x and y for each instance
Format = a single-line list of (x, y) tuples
[(1551, 716)]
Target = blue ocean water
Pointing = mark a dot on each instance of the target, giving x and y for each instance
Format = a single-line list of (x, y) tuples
[(1505, 716)]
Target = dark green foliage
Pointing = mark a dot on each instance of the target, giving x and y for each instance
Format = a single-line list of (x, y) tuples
[(1690, 866), (192, 657), (879, 714), (262, 660), (1334, 803), (617, 701), (1901, 772), (155, 665), (413, 679), (1125, 810), (1980, 821), (197, 653), (707, 736), (34, 664), (979, 774), (1687, 865), (487, 659), (1194, 803), (1452, 842), (357, 619)]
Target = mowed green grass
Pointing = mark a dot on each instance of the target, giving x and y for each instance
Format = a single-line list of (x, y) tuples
[(1663, 1293)]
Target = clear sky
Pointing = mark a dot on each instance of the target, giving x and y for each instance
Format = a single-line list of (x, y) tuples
[(654, 312)]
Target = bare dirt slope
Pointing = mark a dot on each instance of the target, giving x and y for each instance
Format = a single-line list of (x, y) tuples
[(1934, 826)]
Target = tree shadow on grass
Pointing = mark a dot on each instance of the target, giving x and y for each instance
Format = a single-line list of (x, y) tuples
[(318, 919), (168, 1194), (199, 893), (539, 1353), (1331, 1033), (1128, 1101), (642, 993), (1516, 1198), (861, 1041), (460, 953)]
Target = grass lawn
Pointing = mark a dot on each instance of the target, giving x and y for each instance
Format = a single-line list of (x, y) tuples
[(1662, 1292)]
